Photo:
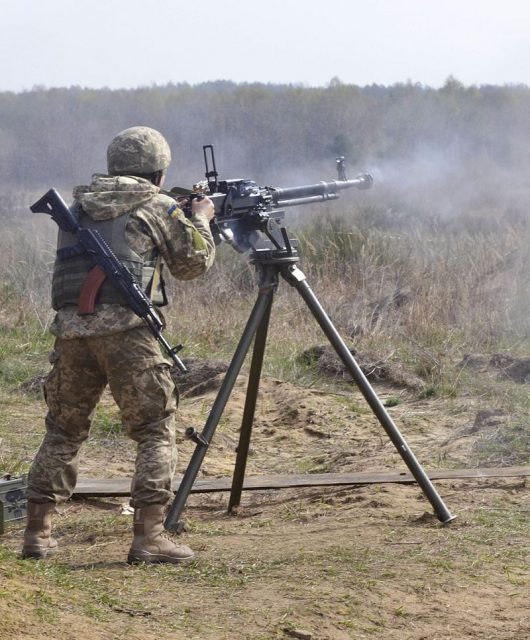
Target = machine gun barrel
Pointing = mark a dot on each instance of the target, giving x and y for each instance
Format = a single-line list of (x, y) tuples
[(319, 192)]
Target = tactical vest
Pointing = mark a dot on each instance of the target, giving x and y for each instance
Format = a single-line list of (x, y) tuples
[(70, 273)]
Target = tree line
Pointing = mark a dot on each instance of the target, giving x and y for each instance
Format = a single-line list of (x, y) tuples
[(50, 135)]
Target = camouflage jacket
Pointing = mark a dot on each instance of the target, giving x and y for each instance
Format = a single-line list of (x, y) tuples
[(155, 222)]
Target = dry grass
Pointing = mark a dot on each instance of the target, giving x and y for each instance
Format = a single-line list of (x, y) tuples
[(419, 288)]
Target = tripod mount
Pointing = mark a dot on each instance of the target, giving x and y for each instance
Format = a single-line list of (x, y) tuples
[(273, 254)]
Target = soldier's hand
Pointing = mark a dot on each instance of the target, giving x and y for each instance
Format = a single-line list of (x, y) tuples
[(204, 206)]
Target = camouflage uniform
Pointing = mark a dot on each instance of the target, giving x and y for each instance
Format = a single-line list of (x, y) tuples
[(113, 346)]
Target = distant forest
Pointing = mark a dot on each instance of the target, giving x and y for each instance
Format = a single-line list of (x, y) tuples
[(448, 217), (455, 138)]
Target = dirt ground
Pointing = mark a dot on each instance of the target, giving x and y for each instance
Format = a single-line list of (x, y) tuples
[(319, 563)]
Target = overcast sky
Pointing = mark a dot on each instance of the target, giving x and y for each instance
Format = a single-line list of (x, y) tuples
[(130, 43)]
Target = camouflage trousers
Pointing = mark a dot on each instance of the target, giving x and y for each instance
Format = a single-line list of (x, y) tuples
[(140, 382)]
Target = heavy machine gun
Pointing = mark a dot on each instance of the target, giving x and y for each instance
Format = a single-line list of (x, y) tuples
[(243, 209)]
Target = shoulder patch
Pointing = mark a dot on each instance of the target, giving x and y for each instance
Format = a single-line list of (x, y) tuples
[(173, 211)]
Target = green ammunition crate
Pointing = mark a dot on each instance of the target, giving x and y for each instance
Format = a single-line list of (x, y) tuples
[(13, 500)]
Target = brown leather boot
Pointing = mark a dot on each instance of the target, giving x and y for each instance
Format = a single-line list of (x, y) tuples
[(38, 542), (149, 543)]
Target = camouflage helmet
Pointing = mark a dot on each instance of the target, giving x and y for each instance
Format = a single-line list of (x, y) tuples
[(138, 150)]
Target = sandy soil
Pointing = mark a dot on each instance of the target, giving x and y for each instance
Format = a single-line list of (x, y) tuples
[(326, 564)]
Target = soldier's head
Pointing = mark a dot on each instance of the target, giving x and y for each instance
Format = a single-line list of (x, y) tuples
[(139, 151)]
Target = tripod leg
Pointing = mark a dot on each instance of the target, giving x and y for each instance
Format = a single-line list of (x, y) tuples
[(296, 278), (261, 307), (248, 412)]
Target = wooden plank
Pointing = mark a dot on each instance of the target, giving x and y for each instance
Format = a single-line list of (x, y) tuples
[(93, 487)]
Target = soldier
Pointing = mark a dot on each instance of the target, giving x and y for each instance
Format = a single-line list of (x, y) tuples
[(113, 346)]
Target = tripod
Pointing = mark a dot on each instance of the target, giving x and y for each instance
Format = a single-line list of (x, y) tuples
[(270, 263)]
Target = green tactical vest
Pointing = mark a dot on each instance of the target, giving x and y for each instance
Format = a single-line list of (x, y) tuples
[(70, 273)]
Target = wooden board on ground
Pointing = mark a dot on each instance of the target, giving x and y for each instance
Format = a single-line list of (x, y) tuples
[(94, 487)]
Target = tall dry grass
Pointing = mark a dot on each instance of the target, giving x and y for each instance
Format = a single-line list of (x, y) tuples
[(434, 286), (432, 290)]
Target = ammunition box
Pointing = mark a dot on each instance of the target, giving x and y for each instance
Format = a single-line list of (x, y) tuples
[(13, 501)]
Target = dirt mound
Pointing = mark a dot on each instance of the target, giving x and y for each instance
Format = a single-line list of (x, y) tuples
[(375, 368), (506, 367), (202, 376)]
